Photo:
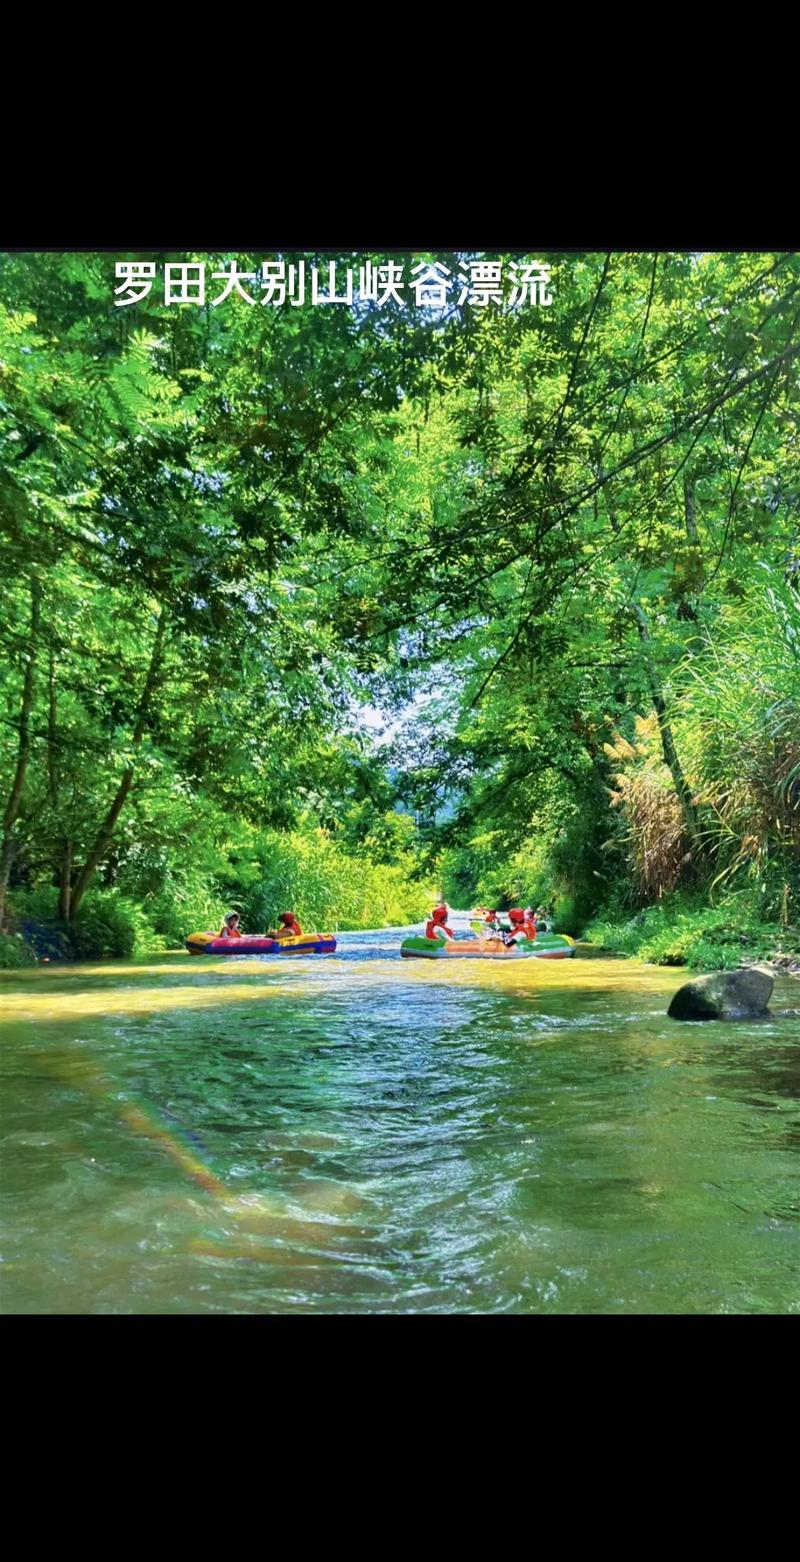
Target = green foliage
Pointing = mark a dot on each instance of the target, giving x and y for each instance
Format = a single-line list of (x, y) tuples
[(184, 905), (559, 862), (107, 927), (619, 547), (15, 952), (173, 880), (534, 531), (567, 916), (459, 871), (330, 890), (679, 931), (738, 715), (472, 874), (381, 835), (168, 486), (110, 927)]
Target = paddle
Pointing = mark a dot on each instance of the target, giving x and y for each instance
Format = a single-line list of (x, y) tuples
[(484, 936)]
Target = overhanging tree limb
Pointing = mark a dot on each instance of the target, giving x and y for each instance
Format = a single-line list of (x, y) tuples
[(573, 502), (756, 426), (106, 830), (12, 808)]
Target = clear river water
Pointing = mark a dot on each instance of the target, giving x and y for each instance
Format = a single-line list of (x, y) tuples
[(358, 1134)]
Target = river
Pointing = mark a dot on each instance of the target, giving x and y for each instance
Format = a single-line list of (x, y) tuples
[(361, 1134)]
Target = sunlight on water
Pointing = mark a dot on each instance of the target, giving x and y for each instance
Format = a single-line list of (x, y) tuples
[(388, 1135)]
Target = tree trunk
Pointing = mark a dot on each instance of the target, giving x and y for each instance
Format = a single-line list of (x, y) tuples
[(11, 814), (65, 883), (106, 831), (52, 736), (610, 506), (683, 791), (688, 509), (65, 844)]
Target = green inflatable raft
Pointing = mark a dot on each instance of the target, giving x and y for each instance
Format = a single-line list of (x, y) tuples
[(546, 946)]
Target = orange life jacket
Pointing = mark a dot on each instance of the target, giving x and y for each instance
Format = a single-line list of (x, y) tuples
[(290, 929), (433, 926)]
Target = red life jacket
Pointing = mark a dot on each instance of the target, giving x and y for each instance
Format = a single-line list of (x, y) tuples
[(433, 925), (290, 929)]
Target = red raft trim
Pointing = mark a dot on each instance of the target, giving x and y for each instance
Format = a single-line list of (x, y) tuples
[(246, 945)]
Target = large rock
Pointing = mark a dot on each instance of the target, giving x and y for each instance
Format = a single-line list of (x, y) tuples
[(725, 995)]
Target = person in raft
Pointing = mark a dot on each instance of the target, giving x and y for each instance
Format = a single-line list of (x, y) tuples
[(436, 926), (541, 919), (230, 927), (519, 927), (289, 926), (493, 936)]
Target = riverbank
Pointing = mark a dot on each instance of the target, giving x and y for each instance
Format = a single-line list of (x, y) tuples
[(700, 938), (113, 927)]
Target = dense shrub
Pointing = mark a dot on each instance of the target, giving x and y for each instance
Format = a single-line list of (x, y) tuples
[(259, 873), (15, 951), (561, 864), (681, 931), (108, 926), (307, 872)]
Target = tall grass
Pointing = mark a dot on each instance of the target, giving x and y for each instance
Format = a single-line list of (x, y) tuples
[(738, 716), (734, 705), (654, 832)]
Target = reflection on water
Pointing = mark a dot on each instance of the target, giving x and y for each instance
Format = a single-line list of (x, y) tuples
[(356, 1133)]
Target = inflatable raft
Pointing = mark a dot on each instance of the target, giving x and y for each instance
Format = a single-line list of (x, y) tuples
[(261, 944), (547, 946)]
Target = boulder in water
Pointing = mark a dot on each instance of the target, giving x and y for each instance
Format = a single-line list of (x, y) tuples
[(725, 995)]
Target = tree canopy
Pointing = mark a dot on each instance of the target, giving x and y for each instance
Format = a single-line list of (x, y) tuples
[(559, 546)]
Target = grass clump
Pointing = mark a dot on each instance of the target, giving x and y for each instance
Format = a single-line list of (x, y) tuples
[(704, 938)]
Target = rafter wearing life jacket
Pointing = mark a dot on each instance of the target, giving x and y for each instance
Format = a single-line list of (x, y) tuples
[(436, 926), (290, 927), (517, 925)]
